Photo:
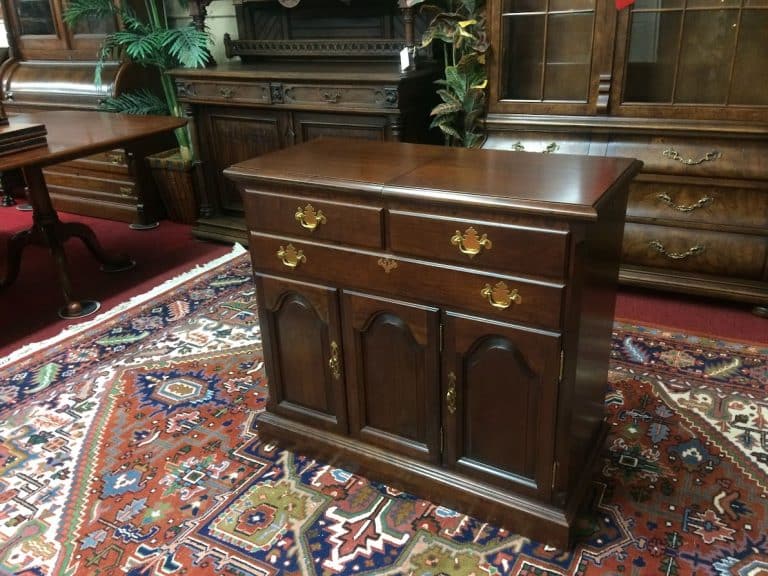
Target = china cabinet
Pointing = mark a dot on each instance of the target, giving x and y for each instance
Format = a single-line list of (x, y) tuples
[(301, 70), (51, 66), (678, 84), (440, 318)]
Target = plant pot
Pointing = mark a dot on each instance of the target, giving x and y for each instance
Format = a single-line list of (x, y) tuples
[(176, 181)]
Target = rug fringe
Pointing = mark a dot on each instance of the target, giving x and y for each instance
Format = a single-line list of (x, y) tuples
[(74, 329)]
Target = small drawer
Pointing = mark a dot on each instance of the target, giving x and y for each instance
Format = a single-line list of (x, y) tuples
[(373, 97), (235, 92), (694, 156), (691, 250), (705, 205), (510, 248), (508, 298), (60, 175), (540, 142), (313, 218)]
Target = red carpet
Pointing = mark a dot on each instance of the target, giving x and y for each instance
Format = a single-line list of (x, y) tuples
[(28, 308)]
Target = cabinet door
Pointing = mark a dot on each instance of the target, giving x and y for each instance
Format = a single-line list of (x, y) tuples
[(392, 364), (302, 345), (232, 135), (311, 125), (499, 397)]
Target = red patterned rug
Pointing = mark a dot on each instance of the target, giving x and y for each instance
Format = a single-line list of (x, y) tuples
[(127, 448)]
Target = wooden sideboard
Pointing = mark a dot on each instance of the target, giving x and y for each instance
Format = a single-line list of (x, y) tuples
[(440, 318)]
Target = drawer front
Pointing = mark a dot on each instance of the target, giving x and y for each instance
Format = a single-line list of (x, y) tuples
[(112, 162), (313, 218), (695, 157), (62, 176), (691, 250), (513, 249), (717, 205), (516, 300), (233, 92), (373, 97), (540, 142)]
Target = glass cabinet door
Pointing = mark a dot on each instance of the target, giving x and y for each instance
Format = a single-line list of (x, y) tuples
[(35, 18), (702, 58), (545, 53)]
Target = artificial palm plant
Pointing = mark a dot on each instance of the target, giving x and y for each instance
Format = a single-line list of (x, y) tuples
[(149, 41), (460, 26)]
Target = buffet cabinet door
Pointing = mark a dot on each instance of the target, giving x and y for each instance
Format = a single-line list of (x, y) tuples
[(302, 346), (392, 360), (499, 397)]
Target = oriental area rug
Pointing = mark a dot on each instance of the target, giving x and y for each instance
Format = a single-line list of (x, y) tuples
[(128, 447)]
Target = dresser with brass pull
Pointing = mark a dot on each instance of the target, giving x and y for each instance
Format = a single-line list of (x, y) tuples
[(440, 318)]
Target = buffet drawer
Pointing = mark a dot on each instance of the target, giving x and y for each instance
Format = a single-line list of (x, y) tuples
[(716, 205), (517, 249), (692, 250), (541, 142), (694, 156), (314, 218), (448, 286), (231, 92), (374, 97)]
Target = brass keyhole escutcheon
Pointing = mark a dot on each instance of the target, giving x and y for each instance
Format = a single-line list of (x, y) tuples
[(500, 296), (470, 243), (309, 218), (450, 395), (290, 256), (334, 363)]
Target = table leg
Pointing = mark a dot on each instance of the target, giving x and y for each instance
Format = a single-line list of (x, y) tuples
[(49, 231)]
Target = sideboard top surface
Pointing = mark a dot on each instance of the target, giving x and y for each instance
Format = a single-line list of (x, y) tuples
[(568, 185)]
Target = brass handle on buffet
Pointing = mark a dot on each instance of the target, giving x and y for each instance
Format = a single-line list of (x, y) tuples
[(470, 243), (450, 395), (673, 154), (309, 218), (331, 97), (500, 296), (126, 190), (551, 147), (226, 92), (334, 362), (116, 158), (700, 203), (290, 256), (692, 251)]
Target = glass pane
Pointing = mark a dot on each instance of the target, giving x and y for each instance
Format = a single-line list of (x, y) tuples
[(524, 51), (95, 25), (756, 3), (656, 4), (35, 17), (567, 5), (569, 47), (654, 37), (709, 41), (750, 75), (713, 3), (524, 6)]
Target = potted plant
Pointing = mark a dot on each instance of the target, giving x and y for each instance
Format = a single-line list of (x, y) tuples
[(149, 41), (460, 26)]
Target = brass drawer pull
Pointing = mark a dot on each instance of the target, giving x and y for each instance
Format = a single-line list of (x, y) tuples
[(116, 158), (450, 396), (700, 203), (308, 218), (469, 243), (226, 91), (126, 190), (388, 264), (673, 154), (332, 97), (500, 296), (334, 362), (290, 256), (551, 148), (692, 251)]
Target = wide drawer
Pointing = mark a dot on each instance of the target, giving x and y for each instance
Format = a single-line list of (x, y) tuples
[(375, 97), (541, 142), (513, 249), (695, 156), (233, 92), (501, 296), (692, 250), (61, 175), (715, 205), (313, 218)]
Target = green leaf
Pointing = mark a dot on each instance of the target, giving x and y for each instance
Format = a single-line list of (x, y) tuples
[(47, 374), (446, 108), (139, 102), (188, 45), (81, 9)]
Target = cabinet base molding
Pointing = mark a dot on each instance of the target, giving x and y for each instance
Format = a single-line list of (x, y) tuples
[(517, 514), (221, 229)]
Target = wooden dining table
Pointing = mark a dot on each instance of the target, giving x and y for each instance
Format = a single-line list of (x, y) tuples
[(71, 135)]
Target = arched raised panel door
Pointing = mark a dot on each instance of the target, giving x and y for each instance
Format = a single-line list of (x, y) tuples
[(393, 374), (302, 342), (499, 396)]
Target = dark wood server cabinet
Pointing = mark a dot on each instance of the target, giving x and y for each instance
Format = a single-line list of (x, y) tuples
[(440, 318), (679, 85), (52, 68), (320, 68)]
